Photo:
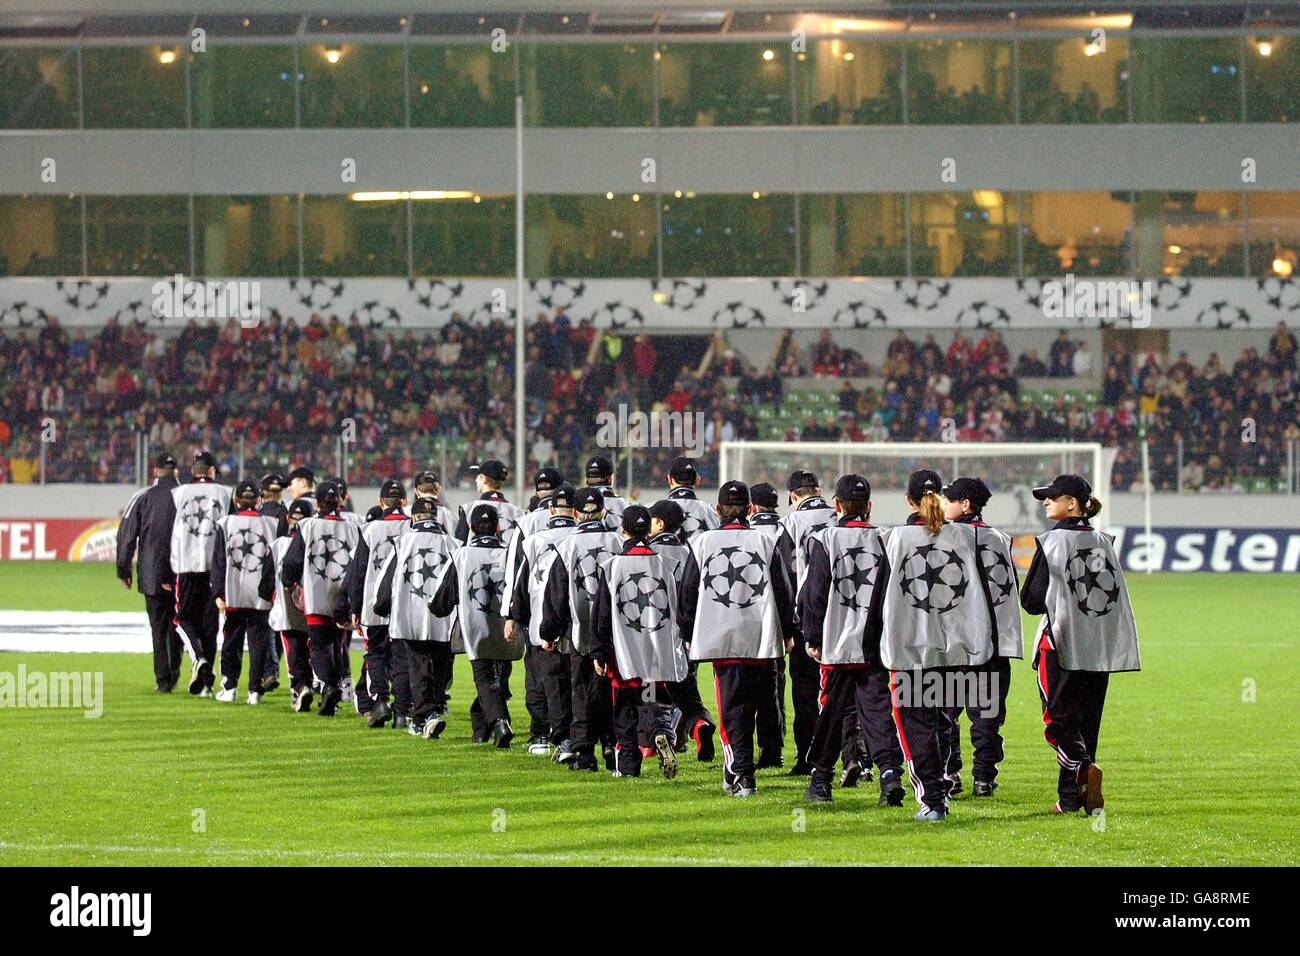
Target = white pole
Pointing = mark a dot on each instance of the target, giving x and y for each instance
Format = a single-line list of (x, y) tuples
[(1146, 500), (520, 458)]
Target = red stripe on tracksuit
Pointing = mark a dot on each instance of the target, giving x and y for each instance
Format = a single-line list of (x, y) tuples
[(917, 786), (722, 727), (1043, 646)]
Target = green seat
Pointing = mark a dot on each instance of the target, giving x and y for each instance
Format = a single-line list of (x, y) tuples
[(1092, 397)]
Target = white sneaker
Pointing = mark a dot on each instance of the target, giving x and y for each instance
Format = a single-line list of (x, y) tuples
[(254, 697), (348, 691), (539, 748), (226, 695)]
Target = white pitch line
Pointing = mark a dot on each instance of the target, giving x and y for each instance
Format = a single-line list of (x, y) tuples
[(411, 856)]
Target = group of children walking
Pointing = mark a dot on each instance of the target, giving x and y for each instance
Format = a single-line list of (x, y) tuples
[(890, 633)]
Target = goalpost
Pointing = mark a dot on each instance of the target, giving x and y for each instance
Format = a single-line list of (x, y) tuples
[(1010, 469)]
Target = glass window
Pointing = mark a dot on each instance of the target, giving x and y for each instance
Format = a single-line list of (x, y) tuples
[(1274, 221), (137, 235), (462, 85), (471, 236), (959, 82), (1086, 234), (1074, 80), (362, 234), (588, 85), (1187, 80), (246, 235), (1273, 78), (963, 234), (853, 234), (843, 82), (243, 87), (136, 87), (724, 84), (602, 236), (40, 235), (38, 88), (351, 86), (1189, 234), (726, 235)]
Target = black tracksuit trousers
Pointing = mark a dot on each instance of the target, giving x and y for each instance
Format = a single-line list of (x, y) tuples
[(686, 696), (299, 658), (399, 673), (427, 661), (986, 719), (592, 721), (240, 624), (167, 647), (633, 706), (197, 617), (770, 719), (539, 724), (374, 683), (1072, 706), (492, 683), (323, 643), (855, 722), (805, 687), (742, 689)]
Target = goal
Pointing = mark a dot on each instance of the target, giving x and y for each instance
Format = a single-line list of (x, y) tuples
[(1009, 469)]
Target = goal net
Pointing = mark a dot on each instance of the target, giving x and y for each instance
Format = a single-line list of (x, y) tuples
[(1009, 469)]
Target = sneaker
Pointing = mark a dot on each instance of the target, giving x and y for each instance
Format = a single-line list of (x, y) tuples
[(703, 734), (162, 688), (584, 762), (984, 788), (302, 700), (851, 775), (800, 769), (744, 787), (819, 791), (565, 753), (433, 727), (254, 698), (478, 739), (347, 693), (401, 722), (502, 734), (1057, 808), (926, 815), (539, 746), (954, 785), (415, 727), (379, 714), (196, 675), (329, 701), (1090, 789), (226, 695), (270, 683), (667, 758), (611, 758), (205, 692), (768, 761), (891, 789)]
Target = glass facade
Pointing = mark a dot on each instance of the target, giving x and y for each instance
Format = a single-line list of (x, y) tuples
[(352, 85), (964, 234), (243, 87), (137, 235), (724, 84), (848, 82), (135, 87), (1187, 80), (472, 236), (1272, 67), (592, 236), (1075, 80), (1190, 233), (347, 236), (960, 82), (461, 86), (588, 85), (853, 234), (1081, 233), (38, 88), (40, 235), (246, 235), (728, 235)]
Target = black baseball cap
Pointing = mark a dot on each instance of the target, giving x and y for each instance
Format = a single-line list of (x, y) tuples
[(426, 477), (327, 491), (1062, 485), (763, 495), (547, 479), (273, 481), (669, 512), (424, 506), (374, 514), (968, 489), (588, 501), (800, 480), (392, 488), (562, 497), (204, 459), (683, 471), (164, 460), (853, 488), (492, 469), (636, 520), (302, 508), (483, 519), (247, 490), (598, 466), (734, 493), (305, 474), (338, 483), (922, 481)]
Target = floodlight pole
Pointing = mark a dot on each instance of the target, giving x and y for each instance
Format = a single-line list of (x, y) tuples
[(520, 458)]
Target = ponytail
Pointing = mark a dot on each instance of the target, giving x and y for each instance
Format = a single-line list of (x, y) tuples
[(931, 511), (1092, 508)]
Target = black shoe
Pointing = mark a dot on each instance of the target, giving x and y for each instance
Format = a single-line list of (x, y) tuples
[(611, 759), (197, 678), (800, 769), (478, 739), (667, 758), (162, 688), (565, 753), (851, 775), (704, 751), (954, 785), (270, 683), (984, 788), (379, 714), (400, 722), (329, 701), (744, 787), (891, 789), (502, 734), (819, 791), (584, 762), (766, 761)]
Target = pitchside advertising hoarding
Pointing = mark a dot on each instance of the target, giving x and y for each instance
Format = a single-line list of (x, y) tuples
[(1249, 550)]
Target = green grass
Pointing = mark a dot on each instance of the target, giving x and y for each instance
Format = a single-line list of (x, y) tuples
[(1194, 775)]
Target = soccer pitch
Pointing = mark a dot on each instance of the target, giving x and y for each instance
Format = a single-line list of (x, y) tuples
[(1197, 768)]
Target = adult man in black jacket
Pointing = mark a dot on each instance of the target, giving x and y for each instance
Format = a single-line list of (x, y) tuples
[(147, 525)]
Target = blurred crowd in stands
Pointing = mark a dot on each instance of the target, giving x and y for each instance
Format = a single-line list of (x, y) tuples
[(284, 394)]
